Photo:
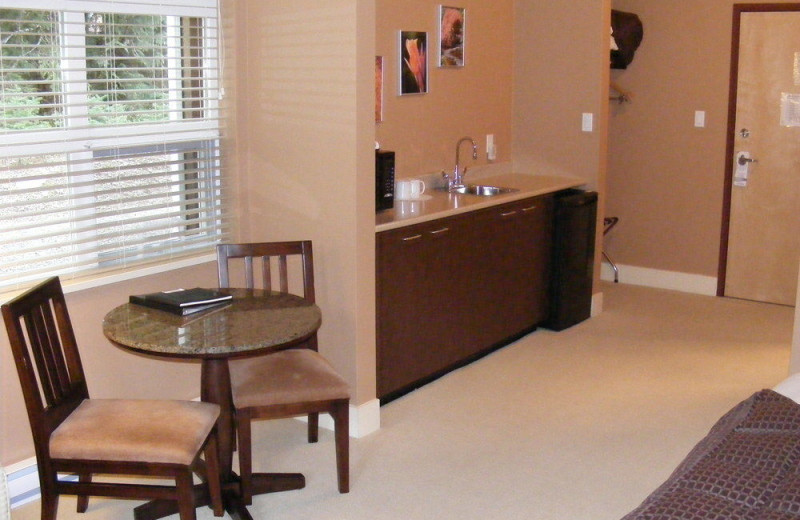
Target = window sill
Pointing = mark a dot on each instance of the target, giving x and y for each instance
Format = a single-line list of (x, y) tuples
[(81, 284)]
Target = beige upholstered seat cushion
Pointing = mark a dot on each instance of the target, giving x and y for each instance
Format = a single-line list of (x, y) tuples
[(134, 430), (286, 377)]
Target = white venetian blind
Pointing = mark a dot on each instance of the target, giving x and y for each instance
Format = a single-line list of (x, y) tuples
[(109, 136)]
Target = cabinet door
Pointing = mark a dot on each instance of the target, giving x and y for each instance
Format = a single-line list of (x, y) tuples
[(516, 240), (419, 275), (535, 246)]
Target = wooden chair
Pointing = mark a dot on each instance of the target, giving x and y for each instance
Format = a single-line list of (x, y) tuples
[(75, 434), (292, 382)]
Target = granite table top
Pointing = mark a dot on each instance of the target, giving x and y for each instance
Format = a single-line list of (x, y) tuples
[(255, 322)]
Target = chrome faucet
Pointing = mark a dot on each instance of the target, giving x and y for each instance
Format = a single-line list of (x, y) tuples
[(458, 176)]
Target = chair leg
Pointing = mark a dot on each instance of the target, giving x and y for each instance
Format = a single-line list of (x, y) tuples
[(49, 504), (243, 432), (313, 427), (212, 474), (341, 421), (83, 500), (185, 492)]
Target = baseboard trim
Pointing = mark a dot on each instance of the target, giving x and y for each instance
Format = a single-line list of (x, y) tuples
[(673, 280), (23, 482), (597, 304), (364, 419), (5, 506), (23, 477)]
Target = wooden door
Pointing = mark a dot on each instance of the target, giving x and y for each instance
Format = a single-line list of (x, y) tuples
[(763, 238)]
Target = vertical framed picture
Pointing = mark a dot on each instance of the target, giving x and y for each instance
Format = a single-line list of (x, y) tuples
[(378, 89), (413, 66), (452, 30)]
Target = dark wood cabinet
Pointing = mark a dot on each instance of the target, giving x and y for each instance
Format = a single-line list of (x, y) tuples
[(419, 280), (516, 241), (451, 289)]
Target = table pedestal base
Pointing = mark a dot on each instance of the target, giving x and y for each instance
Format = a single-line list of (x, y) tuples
[(263, 483)]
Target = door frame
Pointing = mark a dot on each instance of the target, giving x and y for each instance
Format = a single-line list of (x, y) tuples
[(733, 93)]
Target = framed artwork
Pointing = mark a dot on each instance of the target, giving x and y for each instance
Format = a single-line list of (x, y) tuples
[(451, 36), (378, 89), (413, 66)]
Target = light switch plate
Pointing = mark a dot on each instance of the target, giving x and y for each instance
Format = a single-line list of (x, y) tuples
[(491, 149), (700, 118), (587, 122)]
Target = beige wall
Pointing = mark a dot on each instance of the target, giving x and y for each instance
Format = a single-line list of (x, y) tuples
[(471, 101), (307, 157), (666, 177), (561, 72)]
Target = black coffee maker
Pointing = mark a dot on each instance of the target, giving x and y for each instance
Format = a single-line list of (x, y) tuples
[(384, 179)]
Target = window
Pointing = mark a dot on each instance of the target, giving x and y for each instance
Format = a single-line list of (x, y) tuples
[(110, 141)]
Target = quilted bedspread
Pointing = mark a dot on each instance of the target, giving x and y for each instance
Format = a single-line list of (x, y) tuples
[(746, 468)]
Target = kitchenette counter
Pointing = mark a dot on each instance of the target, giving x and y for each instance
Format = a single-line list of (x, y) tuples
[(437, 203)]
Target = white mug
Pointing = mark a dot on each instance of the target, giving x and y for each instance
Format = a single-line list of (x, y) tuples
[(408, 189)]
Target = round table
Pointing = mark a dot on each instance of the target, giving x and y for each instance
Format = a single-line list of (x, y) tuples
[(254, 322)]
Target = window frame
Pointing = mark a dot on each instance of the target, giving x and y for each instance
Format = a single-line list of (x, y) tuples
[(63, 140)]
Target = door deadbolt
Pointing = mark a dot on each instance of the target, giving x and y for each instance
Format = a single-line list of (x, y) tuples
[(744, 132)]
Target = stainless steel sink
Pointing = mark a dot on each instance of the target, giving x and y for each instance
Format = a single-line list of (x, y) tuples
[(483, 190)]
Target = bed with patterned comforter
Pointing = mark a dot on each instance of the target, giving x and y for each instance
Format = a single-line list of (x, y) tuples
[(746, 468)]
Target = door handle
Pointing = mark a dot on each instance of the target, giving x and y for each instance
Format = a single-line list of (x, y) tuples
[(742, 168), (742, 160)]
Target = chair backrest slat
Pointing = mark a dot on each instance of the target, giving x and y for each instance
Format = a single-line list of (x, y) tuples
[(265, 252), (45, 344), (283, 271), (248, 272), (266, 273)]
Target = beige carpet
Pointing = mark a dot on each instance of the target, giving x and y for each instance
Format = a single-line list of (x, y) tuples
[(580, 424)]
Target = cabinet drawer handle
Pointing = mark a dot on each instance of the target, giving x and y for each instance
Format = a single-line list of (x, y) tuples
[(414, 237), (529, 208), (438, 231), (508, 214)]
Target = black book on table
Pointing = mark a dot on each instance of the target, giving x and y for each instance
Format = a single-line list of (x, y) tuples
[(182, 301)]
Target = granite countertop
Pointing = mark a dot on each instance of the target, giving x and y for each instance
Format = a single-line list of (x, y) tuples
[(437, 203)]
